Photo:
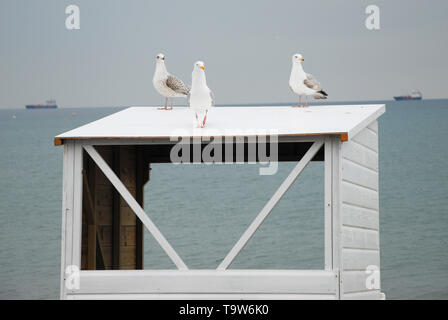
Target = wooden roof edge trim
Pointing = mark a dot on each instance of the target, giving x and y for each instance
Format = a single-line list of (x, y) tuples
[(58, 141), (168, 137)]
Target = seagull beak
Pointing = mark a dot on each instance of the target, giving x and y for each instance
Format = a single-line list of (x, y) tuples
[(301, 59), (203, 68)]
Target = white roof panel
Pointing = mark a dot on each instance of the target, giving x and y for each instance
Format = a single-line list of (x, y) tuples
[(149, 122)]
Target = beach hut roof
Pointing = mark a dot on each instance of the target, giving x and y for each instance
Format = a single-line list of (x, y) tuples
[(151, 123)]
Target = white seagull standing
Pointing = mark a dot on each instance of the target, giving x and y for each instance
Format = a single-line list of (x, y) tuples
[(201, 97), (304, 83), (166, 84)]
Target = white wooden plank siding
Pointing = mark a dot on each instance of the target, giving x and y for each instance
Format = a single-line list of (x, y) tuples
[(359, 213), (373, 126), (359, 259), (358, 238), (357, 195), (360, 175), (360, 217), (361, 155), (368, 139)]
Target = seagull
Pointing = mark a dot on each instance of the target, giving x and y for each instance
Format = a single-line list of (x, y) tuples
[(304, 83), (201, 97), (166, 84)]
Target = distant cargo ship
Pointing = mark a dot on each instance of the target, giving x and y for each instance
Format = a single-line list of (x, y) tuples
[(51, 104), (415, 95)]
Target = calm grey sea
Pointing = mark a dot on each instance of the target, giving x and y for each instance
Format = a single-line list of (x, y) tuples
[(203, 210)]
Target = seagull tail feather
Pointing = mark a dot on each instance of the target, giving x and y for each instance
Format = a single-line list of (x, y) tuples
[(320, 95)]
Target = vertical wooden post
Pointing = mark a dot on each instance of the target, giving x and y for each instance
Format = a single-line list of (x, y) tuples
[(77, 205), (71, 211), (328, 203), (67, 204), (335, 209)]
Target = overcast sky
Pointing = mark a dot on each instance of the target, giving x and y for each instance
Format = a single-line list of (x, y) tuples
[(246, 46)]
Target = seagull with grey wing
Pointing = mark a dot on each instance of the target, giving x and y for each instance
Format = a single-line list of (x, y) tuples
[(201, 97), (166, 84), (303, 83)]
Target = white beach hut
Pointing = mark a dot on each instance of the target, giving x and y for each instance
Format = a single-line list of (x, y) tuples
[(106, 165)]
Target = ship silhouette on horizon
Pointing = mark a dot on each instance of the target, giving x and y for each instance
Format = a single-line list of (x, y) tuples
[(415, 95), (50, 104)]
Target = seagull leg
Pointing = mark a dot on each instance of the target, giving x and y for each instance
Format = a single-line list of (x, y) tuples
[(171, 108), (197, 121), (166, 104), (300, 102), (306, 102), (205, 118)]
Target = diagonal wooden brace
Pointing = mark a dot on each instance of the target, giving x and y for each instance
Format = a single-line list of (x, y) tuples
[(121, 188), (264, 213)]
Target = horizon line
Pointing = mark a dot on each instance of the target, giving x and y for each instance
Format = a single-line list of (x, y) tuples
[(227, 104)]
